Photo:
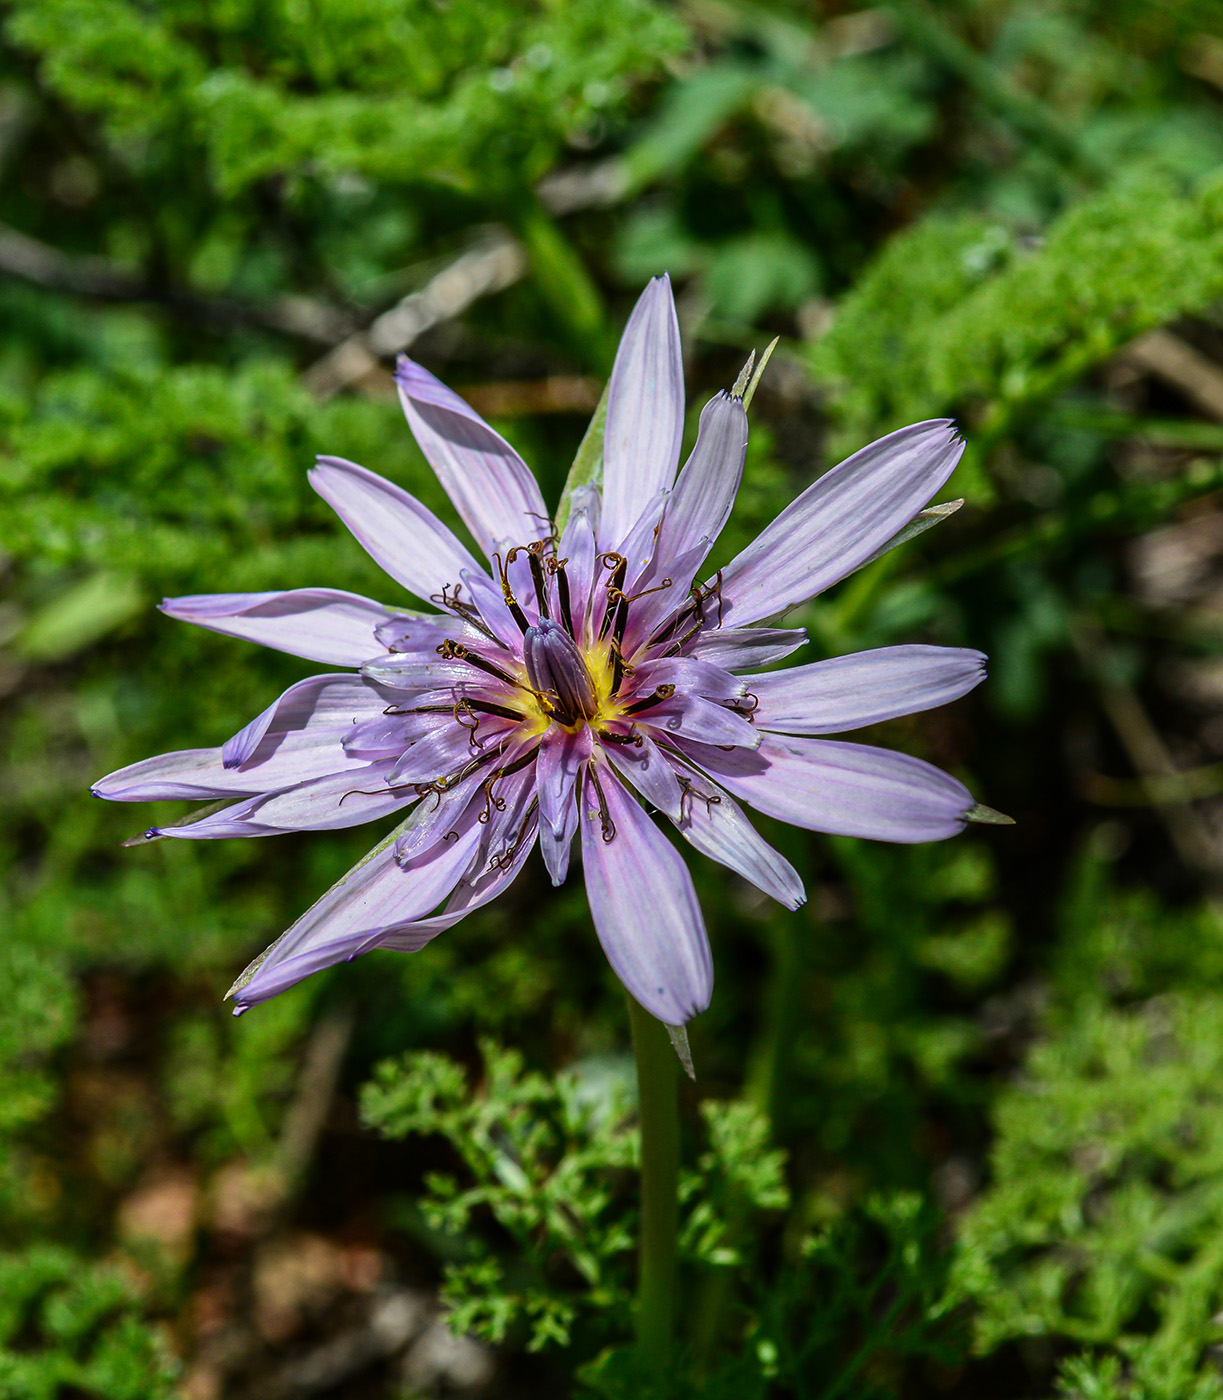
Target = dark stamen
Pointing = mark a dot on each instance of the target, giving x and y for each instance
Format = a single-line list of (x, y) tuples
[(520, 618), (691, 793), (663, 692), (534, 553), (556, 567), (491, 801), (606, 825), (618, 564), (632, 737), (505, 858), (456, 651)]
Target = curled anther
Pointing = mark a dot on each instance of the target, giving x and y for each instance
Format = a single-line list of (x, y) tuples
[(452, 650), (503, 858), (467, 719), (692, 793), (645, 592)]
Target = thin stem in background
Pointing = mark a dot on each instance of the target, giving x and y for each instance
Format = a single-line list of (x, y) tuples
[(657, 1088)]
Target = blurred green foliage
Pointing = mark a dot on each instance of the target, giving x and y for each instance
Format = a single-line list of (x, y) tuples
[(953, 1131)]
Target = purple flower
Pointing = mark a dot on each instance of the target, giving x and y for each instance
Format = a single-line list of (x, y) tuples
[(573, 681)]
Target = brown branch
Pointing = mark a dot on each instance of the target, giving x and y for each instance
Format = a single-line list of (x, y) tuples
[(494, 262), (1179, 364)]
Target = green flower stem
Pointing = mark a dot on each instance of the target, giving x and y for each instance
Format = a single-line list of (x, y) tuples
[(657, 1075)]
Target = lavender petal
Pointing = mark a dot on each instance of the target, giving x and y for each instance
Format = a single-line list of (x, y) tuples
[(847, 692), (645, 413), (704, 721), (737, 648), (321, 624), (374, 900), (445, 750), (718, 827), (320, 804), (644, 906), (709, 482), (839, 521), (561, 756), (395, 530), (492, 488), (843, 788), (321, 710), (647, 769)]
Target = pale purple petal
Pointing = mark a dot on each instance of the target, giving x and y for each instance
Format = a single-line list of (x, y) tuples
[(441, 812), (479, 887), (659, 596), (437, 815), (706, 488), (375, 899), (705, 721), (185, 775), (322, 804), (321, 624), (319, 711), (555, 844), (491, 486), (643, 904), (842, 788), (495, 611), (847, 692), (645, 413), (577, 548), (717, 826), (738, 648), (412, 670), (690, 677), (424, 631), (395, 530), (561, 755), (645, 767), (638, 545), (387, 735), (839, 522), (447, 749)]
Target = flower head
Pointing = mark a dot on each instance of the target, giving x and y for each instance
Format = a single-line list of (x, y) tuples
[(571, 680)]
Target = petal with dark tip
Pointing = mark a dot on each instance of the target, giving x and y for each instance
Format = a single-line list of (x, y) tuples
[(643, 904), (321, 624), (492, 488), (186, 775), (839, 521), (848, 692), (376, 895), (321, 804), (402, 536), (842, 788), (645, 413)]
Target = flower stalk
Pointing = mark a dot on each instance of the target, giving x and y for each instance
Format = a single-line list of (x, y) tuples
[(657, 1078)]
